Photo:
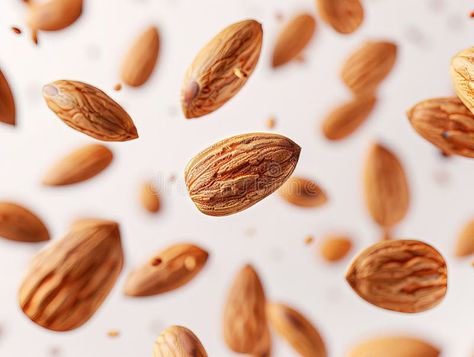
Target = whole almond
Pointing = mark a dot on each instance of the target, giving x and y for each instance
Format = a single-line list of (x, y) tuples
[(386, 187), (78, 166), (296, 329), (237, 172), (68, 281), (345, 119), (344, 16), (244, 319), (221, 68), (302, 192), (178, 341), (140, 60), (368, 66), (89, 110), (334, 248), (400, 275), (53, 15), (465, 242), (7, 102), (446, 123), (19, 224), (149, 197), (396, 346), (462, 72), (167, 270), (293, 39)]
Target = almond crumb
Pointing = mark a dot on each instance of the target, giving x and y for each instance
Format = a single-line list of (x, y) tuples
[(270, 123), (308, 240), (118, 87), (16, 30), (113, 333)]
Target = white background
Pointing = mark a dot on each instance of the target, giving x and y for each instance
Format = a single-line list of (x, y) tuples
[(269, 235)]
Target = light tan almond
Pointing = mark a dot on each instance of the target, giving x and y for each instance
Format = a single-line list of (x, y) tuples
[(396, 346), (140, 60), (345, 119), (462, 74), (150, 197), (302, 192), (221, 68), (244, 318), (386, 187), (368, 66), (89, 110), (400, 275), (334, 248), (167, 270), (344, 16), (68, 281), (465, 242), (264, 348), (178, 341), (293, 39), (19, 224), (53, 15), (296, 329), (7, 102), (78, 166)]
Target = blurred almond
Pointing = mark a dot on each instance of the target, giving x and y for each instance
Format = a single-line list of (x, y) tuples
[(302, 192), (149, 197), (465, 242), (19, 224), (334, 248), (53, 15), (7, 102), (344, 16), (396, 346), (462, 74), (178, 341)]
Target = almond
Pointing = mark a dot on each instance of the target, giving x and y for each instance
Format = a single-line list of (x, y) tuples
[(296, 330), (149, 197), (53, 15), (178, 341), (237, 172), (462, 72), (68, 281), (344, 16), (167, 270), (7, 102), (221, 68), (400, 275), (19, 224), (465, 242), (302, 192), (396, 346), (89, 110), (334, 247), (140, 60), (78, 166), (293, 39)]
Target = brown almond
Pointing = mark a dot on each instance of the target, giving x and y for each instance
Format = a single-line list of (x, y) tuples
[(53, 15), (394, 346), (344, 16), (149, 197), (334, 248), (88, 110), (465, 242), (221, 68), (167, 270), (462, 72), (78, 166), (178, 341), (7, 102), (302, 192), (296, 329), (293, 39), (400, 275), (140, 60), (68, 281), (19, 224)]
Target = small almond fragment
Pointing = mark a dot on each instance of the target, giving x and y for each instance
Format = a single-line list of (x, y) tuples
[(178, 341), (149, 197), (462, 73), (334, 248), (465, 242), (396, 346), (53, 15), (344, 16), (302, 192), (7, 102), (19, 224)]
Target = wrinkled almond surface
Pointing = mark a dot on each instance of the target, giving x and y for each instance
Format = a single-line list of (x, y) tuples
[(7, 102), (462, 74), (465, 242), (396, 346), (150, 197), (334, 247), (178, 341), (303, 192), (17, 223), (53, 15), (344, 16)]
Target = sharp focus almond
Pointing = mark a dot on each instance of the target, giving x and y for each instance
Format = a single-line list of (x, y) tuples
[(334, 248), (140, 60), (89, 110), (368, 66), (19, 224), (167, 270), (344, 16), (68, 281), (298, 331), (7, 102), (53, 15), (293, 39), (78, 166), (221, 68), (465, 242), (302, 192), (462, 74), (237, 172), (396, 346), (149, 197), (400, 275), (178, 341)]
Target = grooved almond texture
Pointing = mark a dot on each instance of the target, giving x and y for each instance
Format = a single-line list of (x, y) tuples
[(344, 16), (78, 166), (396, 346), (334, 248), (237, 172), (17, 223), (88, 110), (462, 74), (68, 281), (149, 197), (465, 242), (53, 15), (7, 102), (178, 341), (221, 68), (302, 192), (400, 275)]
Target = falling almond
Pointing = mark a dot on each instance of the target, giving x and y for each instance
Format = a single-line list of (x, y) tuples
[(465, 242), (302, 192), (19, 224), (334, 247), (53, 15), (149, 197), (178, 341), (7, 102), (396, 346), (344, 16)]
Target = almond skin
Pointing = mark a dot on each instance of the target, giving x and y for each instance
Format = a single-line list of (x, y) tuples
[(140, 61), (7, 102), (302, 192), (465, 242), (167, 270), (53, 15), (178, 341), (400, 275), (19, 224), (334, 248), (344, 16), (149, 197), (221, 68), (78, 166), (396, 346), (293, 39), (462, 72), (88, 110)]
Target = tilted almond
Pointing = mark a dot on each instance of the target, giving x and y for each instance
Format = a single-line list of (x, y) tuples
[(167, 270), (344, 16), (53, 15), (140, 60), (345, 119), (68, 281), (244, 318), (465, 242), (149, 197), (17, 223), (78, 166), (178, 341), (302, 192), (237, 172), (221, 68), (368, 66), (89, 110), (7, 102), (396, 346), (400, 275), (296, 330), (462, 74), (334, 247), (293, 39), (386, 187)]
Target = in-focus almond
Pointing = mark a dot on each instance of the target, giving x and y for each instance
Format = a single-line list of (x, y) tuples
[(53, 15), (178, 341), (19, 224), (7, 102), (396, 346), (149, 197), (465, 242), (302, 192), (462, 74), (335, 247), (344, 16)]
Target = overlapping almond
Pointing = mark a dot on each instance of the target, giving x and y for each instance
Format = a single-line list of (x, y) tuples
[(178, 341)]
